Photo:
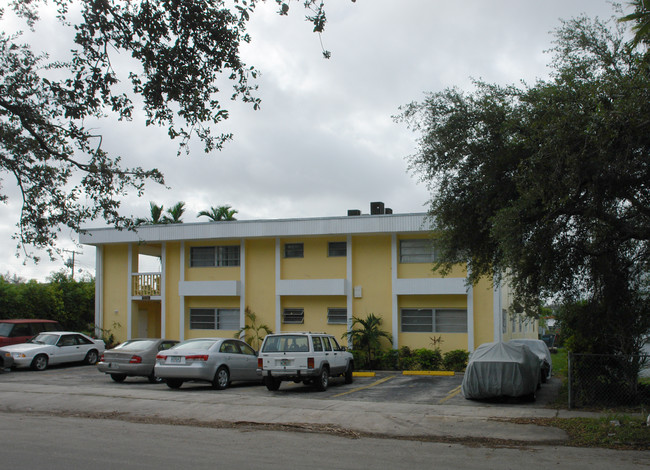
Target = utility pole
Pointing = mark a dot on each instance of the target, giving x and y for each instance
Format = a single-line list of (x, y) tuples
[(71, 262)]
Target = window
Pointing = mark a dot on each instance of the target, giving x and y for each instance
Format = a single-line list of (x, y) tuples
[(326, 342), (428, 320), (318, 344), (294, 250), (214, 319), (337, 249), (214, 256), (337, 316), (417, 251), (293, 316)]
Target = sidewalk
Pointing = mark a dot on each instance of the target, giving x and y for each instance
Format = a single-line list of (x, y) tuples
[(432, 422)]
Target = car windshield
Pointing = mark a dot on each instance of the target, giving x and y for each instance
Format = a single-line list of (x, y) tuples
[(45, 339), (200, 344), (286, 343), (135, 345), (5, 328)]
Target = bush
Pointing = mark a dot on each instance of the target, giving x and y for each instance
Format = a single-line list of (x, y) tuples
[(388, 360), (455, 360), (428, 359)]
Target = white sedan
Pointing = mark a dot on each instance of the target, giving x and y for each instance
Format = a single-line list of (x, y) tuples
[(56, 347)]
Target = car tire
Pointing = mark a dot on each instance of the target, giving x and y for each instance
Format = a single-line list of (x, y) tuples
[(153, 379), (323, 379), (39, 362), (349, 373), (91, 357), (119, 378), (272, 384), (221, 378), (174, 383)]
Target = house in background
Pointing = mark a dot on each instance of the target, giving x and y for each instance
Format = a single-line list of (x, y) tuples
[(296, 275)]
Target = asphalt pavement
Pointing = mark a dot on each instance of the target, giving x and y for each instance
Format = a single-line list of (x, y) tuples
[(344, 410)]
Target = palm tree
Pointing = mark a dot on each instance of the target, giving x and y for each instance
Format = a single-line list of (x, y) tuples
[(175, 214), (219, 213), (367, 335), (641, 17), (257, 332), (156, 216)]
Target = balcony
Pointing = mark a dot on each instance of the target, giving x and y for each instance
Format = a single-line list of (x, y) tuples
[(145, 285)]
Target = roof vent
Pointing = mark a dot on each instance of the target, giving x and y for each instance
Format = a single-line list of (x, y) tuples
[(376, 208), (388, 211), (352, 212)]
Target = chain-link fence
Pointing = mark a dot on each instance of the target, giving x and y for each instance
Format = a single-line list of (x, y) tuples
[(608, 381)]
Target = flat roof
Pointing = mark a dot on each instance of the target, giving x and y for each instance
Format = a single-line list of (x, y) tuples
[(236, 229)]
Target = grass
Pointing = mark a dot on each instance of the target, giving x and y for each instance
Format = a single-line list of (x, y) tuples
[(621, 432)]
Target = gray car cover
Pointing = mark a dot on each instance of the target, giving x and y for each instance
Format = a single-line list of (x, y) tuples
[(501, 370), (538, 347)]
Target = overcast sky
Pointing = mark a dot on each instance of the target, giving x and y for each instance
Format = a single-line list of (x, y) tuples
[(324, 140)]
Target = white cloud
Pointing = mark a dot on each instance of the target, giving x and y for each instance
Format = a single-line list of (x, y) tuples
[(324, 141)]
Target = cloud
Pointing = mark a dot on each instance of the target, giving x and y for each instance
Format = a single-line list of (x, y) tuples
[(323, 141)]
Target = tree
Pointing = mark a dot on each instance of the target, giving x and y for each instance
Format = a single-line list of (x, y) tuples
[(549, 183), (641, 18), (175, 213), (156, 218), (183, 56), (366, 333), (253, 332), (219, 213)]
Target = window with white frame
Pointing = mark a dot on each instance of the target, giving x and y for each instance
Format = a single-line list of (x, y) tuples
[(214, 256), (337, 316), (294, 250), (214, 319), (293, 316), (433, 320), (420, 250), (337, 249)]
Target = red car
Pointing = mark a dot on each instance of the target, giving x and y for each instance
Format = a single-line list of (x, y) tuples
[(22, 330)]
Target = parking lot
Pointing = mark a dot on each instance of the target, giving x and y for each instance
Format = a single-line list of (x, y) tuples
[(384, 387)]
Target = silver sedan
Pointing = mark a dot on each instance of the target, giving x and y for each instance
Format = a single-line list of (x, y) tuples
[(219, 361), (133, 358)]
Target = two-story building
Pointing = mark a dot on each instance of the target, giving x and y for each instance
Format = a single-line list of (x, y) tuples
[(296, 275)]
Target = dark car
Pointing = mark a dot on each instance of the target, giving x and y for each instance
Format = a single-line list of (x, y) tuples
[(134, 358), (18, 331), (6, 360)]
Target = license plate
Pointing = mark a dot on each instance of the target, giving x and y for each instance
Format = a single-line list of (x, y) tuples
[(285, 362), (175, 359)]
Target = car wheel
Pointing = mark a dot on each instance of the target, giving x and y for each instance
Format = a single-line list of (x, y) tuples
[(174, 383), (118, 377), (153, 379), (91, 357), (40, 362), (349, 373), (323, 379), (221, 378), (272, 384)]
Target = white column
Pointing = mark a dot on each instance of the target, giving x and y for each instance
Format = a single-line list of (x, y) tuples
[(278, 298), (181, 313), (99, 290), (470, 315), (349, 285), (129, 292), (242, 284), (163, 291), (395, 316), (497, 314)]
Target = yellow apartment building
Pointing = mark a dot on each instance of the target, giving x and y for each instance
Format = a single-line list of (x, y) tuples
[(311, 274)]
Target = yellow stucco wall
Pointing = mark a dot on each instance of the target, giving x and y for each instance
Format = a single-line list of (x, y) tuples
[(115, 278), (260, 280), (371, 256), (225, 273), (315, 264), (208, 302)]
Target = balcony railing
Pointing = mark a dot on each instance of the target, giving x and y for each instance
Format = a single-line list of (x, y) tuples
[(145, 284)]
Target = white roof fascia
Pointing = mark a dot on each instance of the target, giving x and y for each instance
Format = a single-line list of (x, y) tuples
[(344, 225)]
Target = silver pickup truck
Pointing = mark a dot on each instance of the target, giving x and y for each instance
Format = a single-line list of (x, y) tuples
[(311, 358)]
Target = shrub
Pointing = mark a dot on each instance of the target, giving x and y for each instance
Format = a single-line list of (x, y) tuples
[(389, 360), (455, 360), (428, 359)]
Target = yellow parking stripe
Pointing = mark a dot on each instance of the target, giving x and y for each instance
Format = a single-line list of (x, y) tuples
[(450, 395), (440, 373), (363, 374), (364, 387)]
